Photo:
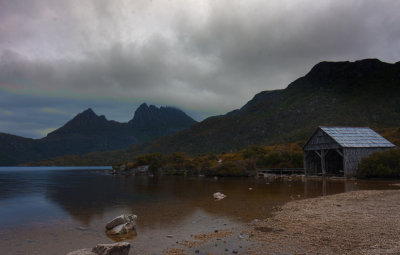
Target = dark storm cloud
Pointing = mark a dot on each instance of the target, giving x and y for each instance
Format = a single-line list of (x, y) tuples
[(206, 57), (279, 47)]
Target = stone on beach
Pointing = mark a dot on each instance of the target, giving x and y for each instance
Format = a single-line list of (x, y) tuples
[(82, 252), (219, 196), (122, 224), (121, 248)]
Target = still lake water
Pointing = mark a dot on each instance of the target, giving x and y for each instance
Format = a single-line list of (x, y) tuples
[(54, 210)]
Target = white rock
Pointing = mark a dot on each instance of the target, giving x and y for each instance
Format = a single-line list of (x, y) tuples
[(219, 196), (122, 224), (122, 229), (122, 219)]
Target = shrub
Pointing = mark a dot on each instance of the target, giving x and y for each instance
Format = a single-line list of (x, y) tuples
[(384, 164), (240, 168), (283, 159), (253, 152)]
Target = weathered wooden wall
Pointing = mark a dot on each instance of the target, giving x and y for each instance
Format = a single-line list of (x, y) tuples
[(320, 140), (312, 163)]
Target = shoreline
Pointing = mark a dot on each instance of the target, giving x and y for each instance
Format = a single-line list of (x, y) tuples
[(357, 222)]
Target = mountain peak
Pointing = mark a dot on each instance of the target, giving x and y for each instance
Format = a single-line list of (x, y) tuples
[(142, 107), (87, 114), (89, 111), (347, 68), (146, 109), (151, 117), (328, 73), (82, 122)]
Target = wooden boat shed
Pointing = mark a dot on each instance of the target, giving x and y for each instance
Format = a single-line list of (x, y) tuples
[(337, 151)]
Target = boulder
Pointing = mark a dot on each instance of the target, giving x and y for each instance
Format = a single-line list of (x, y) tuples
[(122, 224), (121, 248), (82, 252), (122, 229), (219, 196)]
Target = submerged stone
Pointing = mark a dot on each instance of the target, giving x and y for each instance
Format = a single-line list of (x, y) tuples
[(121, 248), (122, 224)]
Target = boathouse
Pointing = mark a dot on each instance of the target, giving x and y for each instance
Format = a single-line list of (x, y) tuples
[(337, 151)]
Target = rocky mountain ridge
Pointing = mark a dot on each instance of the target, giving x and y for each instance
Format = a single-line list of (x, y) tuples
[(360, 93), (89, 132)]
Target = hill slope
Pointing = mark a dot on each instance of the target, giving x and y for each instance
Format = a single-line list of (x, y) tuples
[(361, 93), (88, 132)]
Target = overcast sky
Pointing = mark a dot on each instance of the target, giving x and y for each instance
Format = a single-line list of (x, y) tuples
[(58, 58)]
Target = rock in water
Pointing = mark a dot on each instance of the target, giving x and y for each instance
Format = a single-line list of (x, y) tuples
[(121, 248), (82, 252), (122, 229), (112, 249), (122, 224), (219, 196)]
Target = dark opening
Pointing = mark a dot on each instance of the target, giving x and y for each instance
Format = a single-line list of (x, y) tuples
[(334, 163), (313, 163)]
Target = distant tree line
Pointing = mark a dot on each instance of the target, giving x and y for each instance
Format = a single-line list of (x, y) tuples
[(245, 162)]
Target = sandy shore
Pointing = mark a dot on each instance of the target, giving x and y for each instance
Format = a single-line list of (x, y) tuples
[(359, 222)]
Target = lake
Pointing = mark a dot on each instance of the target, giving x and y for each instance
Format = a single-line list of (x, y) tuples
[(54, 210)]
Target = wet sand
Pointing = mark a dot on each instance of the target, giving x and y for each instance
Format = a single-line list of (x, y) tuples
[(358, 222)]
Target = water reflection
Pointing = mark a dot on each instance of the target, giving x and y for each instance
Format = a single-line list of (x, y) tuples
[(86, 195), (70, 208), (168, 200)]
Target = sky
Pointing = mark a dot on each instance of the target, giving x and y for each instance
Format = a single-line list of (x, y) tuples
[(206, 57)]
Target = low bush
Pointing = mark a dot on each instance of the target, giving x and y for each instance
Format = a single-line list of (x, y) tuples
[(285, 159), (384, 164), (240, 168)]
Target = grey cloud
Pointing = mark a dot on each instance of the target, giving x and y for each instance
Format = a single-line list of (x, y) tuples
[(205, 57), (285, 45)]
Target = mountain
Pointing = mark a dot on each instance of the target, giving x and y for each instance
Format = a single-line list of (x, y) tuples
[(12, 145), (150, 121), (360, 93), (88, 132)]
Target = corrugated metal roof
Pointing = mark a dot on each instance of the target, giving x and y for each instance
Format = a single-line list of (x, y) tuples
[(357, 137)]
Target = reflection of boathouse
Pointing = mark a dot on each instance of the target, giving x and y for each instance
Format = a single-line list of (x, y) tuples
[(338, 150)]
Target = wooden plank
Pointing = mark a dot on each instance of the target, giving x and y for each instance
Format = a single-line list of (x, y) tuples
[(323, 162), (340, 153)]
